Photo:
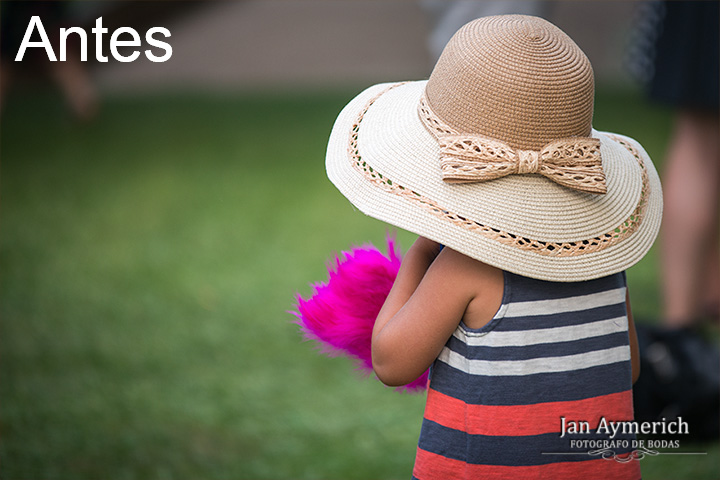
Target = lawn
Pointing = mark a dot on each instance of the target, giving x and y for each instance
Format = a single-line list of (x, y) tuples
[(149, 259)]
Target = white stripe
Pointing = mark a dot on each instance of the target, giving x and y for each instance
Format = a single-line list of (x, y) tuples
[(567, 304), (535, 365), (542, 335)]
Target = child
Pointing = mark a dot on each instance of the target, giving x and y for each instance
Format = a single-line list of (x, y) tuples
[(524, 314)]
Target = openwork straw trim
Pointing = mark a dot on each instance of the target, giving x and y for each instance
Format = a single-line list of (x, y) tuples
[(557, 249)]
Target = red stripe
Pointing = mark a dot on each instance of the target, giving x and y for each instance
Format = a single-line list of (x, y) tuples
[(535, 419), (429, 466)]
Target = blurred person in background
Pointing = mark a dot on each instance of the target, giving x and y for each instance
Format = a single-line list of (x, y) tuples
[(447, 16), (71, 75), (677, 58), (686, 77)]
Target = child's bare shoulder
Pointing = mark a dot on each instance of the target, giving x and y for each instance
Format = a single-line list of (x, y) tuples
[(462, 268), (481, 283)]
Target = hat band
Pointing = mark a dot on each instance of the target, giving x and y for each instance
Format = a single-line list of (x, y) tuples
[(571, 162), (558, 249)]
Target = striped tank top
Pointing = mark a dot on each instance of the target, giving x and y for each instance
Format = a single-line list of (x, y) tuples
[(533, 393)]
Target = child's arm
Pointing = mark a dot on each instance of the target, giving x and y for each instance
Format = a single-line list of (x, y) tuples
[(424, 307), (634, 348)]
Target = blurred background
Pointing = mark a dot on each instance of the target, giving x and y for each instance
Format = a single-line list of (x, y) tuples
[(157, 221)]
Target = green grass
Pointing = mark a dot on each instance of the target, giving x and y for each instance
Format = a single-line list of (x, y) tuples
[(148, 262)]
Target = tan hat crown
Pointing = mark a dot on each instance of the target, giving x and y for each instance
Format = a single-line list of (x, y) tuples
[(514, 78)]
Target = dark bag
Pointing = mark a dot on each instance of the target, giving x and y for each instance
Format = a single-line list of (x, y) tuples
[(679, 377)]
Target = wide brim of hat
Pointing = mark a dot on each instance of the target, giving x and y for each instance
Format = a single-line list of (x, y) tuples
[(383, 159)]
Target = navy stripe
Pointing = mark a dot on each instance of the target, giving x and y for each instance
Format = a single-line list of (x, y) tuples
[(530, 389), (542, 350), (526, 289), (528, 450), (564, 319)]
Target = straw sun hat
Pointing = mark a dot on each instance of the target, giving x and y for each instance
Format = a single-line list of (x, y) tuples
[(495, 157)]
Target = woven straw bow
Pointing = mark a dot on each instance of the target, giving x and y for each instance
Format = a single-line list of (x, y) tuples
[(573, 162)]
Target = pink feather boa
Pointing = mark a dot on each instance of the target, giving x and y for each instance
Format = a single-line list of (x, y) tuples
[(341, 313)]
